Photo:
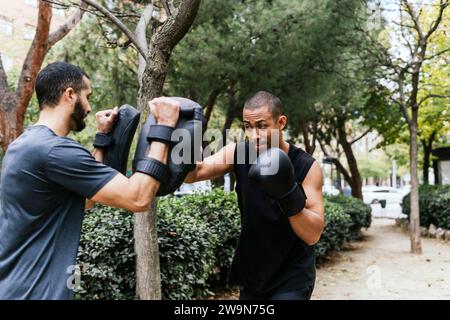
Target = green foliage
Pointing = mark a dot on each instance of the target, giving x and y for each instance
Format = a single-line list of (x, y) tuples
[(359, 212), (106, 256), (197, 238), (377, 166), (337, 229), (192, 261), (434, 204)]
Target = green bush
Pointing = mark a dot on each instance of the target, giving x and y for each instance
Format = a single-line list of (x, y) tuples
[(187, 246), (197, 235), (360, 213), (336, 231), (197, 238), (106, 255), (434, 204), (218, 214)]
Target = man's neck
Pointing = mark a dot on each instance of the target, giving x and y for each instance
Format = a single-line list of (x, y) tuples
[(54, 120)]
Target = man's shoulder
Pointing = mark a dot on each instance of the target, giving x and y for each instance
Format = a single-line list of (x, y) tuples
[(37, 142), (299, 155)]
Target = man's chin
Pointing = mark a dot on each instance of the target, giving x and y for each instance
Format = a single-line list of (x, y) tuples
[(78, 126)]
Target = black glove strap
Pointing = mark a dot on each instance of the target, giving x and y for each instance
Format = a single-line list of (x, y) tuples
[(294, 201), (152, 167), (160, 133), (102, 141)]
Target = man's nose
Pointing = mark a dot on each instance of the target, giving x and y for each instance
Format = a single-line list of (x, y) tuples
[(255, 134)]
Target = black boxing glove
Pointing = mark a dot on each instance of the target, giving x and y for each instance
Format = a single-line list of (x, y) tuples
[(117, 143), (274, 174), (189, 138)]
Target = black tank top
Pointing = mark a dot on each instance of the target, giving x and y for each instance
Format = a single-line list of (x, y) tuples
[(269, 256)]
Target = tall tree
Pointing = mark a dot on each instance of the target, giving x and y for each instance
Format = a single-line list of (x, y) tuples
[(169, 28), (14, 103), (403, 53)]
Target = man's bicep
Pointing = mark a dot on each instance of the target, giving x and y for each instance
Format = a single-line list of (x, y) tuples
[(73, 167), (313, 188), (113, 193)]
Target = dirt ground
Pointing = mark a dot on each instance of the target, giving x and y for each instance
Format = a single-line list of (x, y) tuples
[(380, 266)]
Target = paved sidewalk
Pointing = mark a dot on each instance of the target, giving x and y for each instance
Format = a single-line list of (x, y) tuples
[(381, 267)]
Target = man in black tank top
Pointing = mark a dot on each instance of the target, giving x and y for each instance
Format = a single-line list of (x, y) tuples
[(275, 256)]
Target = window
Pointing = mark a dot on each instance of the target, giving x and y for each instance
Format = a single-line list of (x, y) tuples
[(6, 26), (32, 3), (29, 31)]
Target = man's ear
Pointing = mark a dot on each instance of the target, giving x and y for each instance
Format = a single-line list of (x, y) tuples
[(69, 95), (282, 121)]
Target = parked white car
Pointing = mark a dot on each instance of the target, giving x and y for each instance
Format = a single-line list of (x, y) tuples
[(191, 188), (375, 194)]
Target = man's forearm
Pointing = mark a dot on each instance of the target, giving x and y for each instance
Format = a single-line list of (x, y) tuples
[(307, 225), (98, 154)]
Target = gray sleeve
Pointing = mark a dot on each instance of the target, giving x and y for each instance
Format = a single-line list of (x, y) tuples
[(73, 167)]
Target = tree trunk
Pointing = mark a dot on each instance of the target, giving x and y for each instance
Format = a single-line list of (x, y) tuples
[(309, 142), (148, 274), (356, 183), (209, 106), (427, 148), (437, 179), (230, 116), (414, 218), (10, 125)]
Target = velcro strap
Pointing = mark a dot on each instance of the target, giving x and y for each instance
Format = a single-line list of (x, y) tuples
[(160, 133), (152, 167), (294, 201), (102, 140)]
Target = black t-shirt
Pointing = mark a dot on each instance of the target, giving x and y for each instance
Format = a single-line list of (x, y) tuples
[(269, 257), (45, 182)]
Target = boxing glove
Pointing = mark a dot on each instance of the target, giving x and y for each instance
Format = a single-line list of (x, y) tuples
[(117, 143), (274, 174), (186, 136)]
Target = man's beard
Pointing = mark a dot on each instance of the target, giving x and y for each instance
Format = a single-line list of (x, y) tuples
[(78, 116)]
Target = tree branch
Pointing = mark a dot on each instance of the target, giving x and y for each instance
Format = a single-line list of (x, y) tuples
[(119, 24), (141, 37), (436, 54), (70, 23), (35, 55), (168, 7), (436, 22), (176, 26), (361, 136), (432, 96), (415, 20), (339, 166)]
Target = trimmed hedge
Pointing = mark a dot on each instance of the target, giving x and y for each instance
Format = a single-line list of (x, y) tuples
[(360, 213), (337, 228), (434, 204), (197, 237)]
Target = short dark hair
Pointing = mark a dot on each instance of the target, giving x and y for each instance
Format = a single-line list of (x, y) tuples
[(265, 99), (54, 79)]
